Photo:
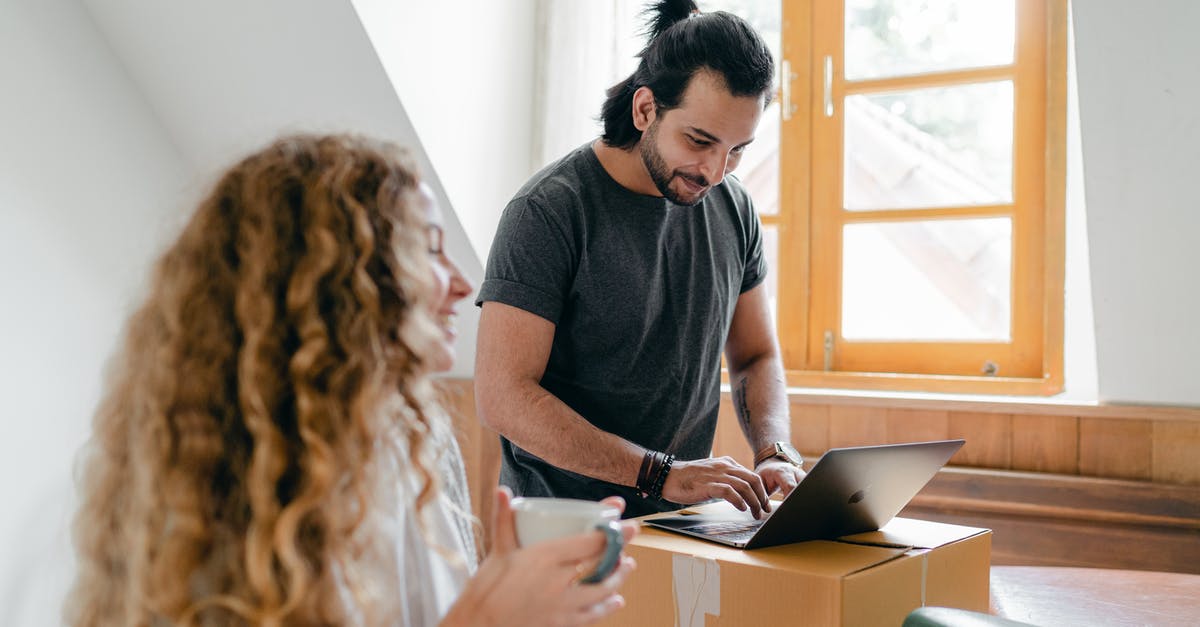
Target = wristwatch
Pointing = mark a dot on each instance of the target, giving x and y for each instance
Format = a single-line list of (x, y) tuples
[(782, 450)]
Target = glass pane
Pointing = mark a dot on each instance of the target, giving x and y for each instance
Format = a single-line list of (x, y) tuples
[(759, 167), (897, 37), (771, 252), (938, 147), (927, 280)]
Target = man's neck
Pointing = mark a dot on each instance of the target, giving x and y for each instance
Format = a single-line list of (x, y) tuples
[(626, 168)]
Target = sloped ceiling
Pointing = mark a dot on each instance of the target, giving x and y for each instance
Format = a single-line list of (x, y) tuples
[(225, 77)]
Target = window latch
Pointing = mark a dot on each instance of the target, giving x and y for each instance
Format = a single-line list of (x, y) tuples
[(787, 76), (828, 86)]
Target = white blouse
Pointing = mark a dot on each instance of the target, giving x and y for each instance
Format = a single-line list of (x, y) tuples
[(435, 561)]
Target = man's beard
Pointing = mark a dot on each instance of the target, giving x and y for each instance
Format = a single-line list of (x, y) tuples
[(662, 177)]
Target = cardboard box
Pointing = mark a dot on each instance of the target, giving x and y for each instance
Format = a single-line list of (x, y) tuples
[(869, 579)]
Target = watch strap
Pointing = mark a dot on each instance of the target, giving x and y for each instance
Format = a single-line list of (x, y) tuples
[(767, 453)]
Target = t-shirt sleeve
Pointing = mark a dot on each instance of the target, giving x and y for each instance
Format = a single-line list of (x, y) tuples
[(531, 261), (756, 263)]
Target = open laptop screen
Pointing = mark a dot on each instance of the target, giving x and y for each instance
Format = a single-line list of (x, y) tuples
[(849, 490)]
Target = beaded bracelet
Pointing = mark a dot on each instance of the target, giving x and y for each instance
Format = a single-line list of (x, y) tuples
[(661, 479), (653, 474)]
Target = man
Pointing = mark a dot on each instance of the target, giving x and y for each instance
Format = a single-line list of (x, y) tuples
[(619, 273)]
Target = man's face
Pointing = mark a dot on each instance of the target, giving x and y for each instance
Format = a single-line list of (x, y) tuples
[(689, 149)]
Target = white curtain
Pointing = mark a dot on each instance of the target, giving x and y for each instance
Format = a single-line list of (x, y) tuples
[(584, 47)]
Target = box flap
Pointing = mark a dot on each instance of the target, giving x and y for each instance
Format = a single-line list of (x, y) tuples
[(818, 557), (918, 534)]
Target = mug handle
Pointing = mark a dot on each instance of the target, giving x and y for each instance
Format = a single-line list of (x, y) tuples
[(615, 542)]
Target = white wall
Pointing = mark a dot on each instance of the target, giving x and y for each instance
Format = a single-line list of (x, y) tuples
[(465, 73), (88, 190), (1139, 91), (116, 115), (226, 76), (1079, 328)]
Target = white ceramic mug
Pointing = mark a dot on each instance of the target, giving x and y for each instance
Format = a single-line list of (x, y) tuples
[(542, 518)]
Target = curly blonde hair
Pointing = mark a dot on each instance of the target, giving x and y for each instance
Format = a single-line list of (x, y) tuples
[(234, 461)]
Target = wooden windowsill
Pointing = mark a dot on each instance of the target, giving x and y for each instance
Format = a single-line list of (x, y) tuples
[(1045, 387), (1040, 388), (1048, 406)]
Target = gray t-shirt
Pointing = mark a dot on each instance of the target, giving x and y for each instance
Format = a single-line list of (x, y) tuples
[(641, 292)]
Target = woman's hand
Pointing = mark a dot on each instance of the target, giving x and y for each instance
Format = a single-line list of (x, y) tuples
[(538, 585)]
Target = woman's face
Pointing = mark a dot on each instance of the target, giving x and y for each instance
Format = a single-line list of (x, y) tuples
[(449, 285)]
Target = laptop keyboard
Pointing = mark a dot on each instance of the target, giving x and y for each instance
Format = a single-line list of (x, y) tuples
[(732, 531)]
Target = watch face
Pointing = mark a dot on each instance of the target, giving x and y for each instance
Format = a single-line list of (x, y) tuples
[(788, 451)]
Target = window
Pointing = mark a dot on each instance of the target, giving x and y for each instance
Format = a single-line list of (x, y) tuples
[(916, 220)]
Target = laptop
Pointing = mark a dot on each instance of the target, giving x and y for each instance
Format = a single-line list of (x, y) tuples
[(849, 490)]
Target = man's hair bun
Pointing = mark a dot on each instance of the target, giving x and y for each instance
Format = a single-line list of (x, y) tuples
[(663, 15)]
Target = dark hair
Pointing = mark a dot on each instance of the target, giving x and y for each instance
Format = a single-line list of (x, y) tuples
[(682, 41)]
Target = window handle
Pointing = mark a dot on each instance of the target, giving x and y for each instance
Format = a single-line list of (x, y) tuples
[(828, 86), (828, 351), (788, 76)]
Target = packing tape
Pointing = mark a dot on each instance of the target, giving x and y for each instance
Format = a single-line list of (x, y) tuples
[(924, 574), (696, 582)]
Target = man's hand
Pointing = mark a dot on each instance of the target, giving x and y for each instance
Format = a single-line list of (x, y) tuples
[(778, 475), (716, 478)]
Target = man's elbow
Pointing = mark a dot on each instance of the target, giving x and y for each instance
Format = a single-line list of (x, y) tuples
[(485, 404), (767, 362), (492, 398), (743, 363)]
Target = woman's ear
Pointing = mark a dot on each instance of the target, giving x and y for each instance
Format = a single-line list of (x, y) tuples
[(644, 108)]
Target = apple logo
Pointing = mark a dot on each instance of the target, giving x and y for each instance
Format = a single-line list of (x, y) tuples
[(858, 496)]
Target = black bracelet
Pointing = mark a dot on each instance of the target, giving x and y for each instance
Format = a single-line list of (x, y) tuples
[(647, 473), (660, 478), (655, 471), (643, 478), (653, 474)]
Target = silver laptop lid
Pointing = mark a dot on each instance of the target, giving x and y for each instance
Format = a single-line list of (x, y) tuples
[(849, 490), (855, 489)]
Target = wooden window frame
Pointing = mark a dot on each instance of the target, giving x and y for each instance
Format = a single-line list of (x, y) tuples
[(1038, 232)]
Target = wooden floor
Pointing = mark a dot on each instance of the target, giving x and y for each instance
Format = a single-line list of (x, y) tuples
[(1064, 596)]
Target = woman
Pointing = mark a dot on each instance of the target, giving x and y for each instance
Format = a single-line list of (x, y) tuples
[(268, 451)]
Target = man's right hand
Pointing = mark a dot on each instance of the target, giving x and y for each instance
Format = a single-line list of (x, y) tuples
[(716, 478)]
